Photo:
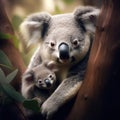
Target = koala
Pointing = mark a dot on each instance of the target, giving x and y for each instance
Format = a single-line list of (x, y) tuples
[(65, 39), (38, 83)]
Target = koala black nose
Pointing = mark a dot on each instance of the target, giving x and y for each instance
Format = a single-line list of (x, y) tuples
[(63, 51), (48, 83)]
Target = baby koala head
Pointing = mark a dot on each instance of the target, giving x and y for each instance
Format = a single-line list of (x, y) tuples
[(42, 76)]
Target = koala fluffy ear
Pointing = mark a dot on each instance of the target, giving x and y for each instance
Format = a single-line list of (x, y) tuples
[(34, 27), (28, 76), (87, 17)]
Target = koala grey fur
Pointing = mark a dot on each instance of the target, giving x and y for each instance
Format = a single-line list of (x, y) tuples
[(65, 39), (38, 83)]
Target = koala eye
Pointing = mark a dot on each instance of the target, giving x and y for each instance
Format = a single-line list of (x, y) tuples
[(75, 43), (40, 81), (52, 44), (50, 76)]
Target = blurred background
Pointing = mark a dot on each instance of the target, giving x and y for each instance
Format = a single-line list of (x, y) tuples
[(17, 10)]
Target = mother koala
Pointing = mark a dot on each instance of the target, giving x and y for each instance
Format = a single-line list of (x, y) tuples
[(65, 39)]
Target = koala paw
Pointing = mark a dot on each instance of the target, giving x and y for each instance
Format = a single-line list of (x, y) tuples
[(48, 109)]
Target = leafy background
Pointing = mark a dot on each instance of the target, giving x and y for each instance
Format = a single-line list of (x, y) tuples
[(7, 93)]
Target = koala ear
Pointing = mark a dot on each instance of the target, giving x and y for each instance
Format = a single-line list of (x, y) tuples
[(28, 76), (87, 17), (34, 27)]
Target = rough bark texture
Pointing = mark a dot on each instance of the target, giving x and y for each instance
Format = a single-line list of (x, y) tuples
[(98, 97), (12, 111), (6, 45)]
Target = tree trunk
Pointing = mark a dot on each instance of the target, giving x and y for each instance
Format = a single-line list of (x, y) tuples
[(99, 97), (6, 45), (96, 3), (10, 111)]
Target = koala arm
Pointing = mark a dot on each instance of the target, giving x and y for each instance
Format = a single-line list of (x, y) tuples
[(27, 90), (66, 90)]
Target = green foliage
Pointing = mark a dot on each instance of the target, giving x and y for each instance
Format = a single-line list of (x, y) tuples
[(16, 20), (12, 94), (5, 36), (57, 10), (4, 61), (7, 93), (31, 104), (7, 78), (68, 1), (9, 36), (11, 76), (7, 88)]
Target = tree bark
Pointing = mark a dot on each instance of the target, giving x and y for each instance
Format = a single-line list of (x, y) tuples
[(10, 111), (6, 45), (99, 97), (96, 3)]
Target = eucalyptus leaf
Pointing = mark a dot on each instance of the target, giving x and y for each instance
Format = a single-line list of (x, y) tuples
[(5, 60), (5, 66), (11, 92), (11, 76), (2, 76), (31, 104), (9, 36), (5, 36)]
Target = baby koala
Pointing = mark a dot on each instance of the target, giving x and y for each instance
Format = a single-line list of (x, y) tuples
[(39, 82)]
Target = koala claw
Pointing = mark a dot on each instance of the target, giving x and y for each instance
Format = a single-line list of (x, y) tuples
[(48, 110)]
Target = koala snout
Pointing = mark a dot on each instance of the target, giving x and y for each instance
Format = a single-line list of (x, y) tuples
[(48, 83), (63, 51)]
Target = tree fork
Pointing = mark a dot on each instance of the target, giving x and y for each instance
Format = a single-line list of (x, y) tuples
[(98, 97)]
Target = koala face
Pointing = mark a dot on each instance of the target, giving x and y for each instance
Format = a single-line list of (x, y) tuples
[(44, 78), (46, 82), (41, 77), (67, 47), (64, 38)]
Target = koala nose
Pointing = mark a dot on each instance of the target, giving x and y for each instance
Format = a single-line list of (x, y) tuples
[(63, 51), (48, 83)]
